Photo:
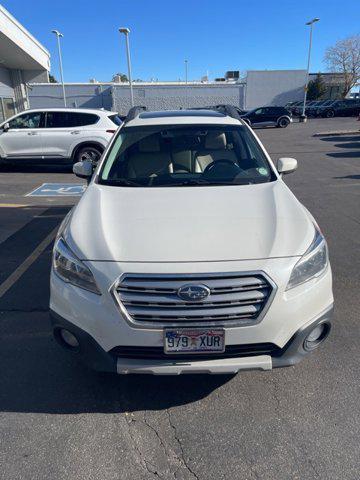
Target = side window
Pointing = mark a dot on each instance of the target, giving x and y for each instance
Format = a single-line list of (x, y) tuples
[(56, 120), (26, 120), (275, 111), (69, 119), (82, 119), (259, 111)]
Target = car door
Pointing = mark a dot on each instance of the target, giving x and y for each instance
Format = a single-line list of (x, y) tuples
[(258, 116), (64, 129), (57, 136), (23, 138)]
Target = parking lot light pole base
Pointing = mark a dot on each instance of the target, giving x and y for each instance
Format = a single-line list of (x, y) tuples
[(303, 119)]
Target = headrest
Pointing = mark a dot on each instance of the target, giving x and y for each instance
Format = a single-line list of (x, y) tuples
[(215, 141), (149, 144)]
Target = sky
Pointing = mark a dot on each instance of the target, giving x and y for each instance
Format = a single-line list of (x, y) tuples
[(213, 35)]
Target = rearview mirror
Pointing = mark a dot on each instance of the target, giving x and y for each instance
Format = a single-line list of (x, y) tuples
[(6, 127), (286, 165), (83, 169)]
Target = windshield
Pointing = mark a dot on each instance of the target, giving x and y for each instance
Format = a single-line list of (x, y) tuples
[(166, 156)]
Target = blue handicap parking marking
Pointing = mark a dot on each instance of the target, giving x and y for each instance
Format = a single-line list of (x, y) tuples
[(58, 190)]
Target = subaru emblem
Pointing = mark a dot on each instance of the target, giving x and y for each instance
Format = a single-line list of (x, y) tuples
[(193, 293)]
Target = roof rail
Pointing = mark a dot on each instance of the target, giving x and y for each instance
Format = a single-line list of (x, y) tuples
[(134, 112), (228, 110)]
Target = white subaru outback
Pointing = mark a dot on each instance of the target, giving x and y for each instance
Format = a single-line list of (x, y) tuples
[(188, 253)]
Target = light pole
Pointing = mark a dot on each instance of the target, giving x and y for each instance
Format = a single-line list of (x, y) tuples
[(311, 23), (186, 82), (58, 35), (126, 32)]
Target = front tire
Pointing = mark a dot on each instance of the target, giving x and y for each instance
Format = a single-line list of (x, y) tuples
[(88, 153), (283, 122)]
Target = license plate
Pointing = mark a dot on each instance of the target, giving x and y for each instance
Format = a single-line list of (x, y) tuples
[(194, 341)]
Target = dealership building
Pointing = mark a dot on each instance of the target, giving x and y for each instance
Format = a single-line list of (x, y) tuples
[(23, 60)]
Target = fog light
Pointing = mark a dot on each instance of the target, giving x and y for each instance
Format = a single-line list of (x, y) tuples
[(69, 338), (316, 336)]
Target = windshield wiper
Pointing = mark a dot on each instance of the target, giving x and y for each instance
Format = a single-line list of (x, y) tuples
[(207, 182), (193, 181), (121, 182)]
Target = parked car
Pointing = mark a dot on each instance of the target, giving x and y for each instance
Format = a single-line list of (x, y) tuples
[(299, 108), (188, 253), (341, 108), (315, 109), (56, 135), (268, 116), (293, 106)]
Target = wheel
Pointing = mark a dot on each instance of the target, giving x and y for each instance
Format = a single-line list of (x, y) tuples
[(88, 153), (283, 122), (329, 113)]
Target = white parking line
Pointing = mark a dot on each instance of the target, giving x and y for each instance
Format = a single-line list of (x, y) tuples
[(21, 269)]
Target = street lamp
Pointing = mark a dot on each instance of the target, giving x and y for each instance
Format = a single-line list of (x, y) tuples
[(126, 32), (311, 23), (58, 35)]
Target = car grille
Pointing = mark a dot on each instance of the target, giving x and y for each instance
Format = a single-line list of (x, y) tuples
[(234, 299), (231, 351)]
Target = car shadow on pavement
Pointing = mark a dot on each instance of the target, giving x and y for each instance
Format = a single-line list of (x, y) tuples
[(353, 177), (339, 138), (351, 154), (37, 376)]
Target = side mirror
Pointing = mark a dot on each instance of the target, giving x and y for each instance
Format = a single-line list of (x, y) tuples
[(6, 127), (286, 165), (83, 169)]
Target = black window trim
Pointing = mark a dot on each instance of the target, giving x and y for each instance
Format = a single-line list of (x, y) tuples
[(45, 113)]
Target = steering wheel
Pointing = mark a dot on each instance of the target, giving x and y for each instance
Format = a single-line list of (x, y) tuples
[(231, 167)]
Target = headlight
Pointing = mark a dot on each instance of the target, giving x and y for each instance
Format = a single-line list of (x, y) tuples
[(312, 264), (72, 270)]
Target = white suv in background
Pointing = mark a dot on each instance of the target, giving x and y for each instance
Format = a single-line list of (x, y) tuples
[(57, 135), (188, 253)]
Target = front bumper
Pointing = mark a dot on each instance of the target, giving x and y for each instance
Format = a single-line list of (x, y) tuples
[(93, 355)]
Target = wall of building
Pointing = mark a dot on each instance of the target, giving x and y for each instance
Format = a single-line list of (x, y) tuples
[(77, 95), (274, 87), (167, 97), (117, 97), (6, 89)]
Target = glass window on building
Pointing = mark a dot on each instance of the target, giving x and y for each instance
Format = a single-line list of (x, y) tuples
[(7, 108)]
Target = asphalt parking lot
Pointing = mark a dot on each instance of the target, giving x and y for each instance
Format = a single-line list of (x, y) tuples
[(60, 421)]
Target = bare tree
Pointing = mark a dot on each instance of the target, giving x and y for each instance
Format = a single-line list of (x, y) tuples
[(344, 57)]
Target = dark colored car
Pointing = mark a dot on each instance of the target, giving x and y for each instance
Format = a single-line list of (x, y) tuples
[(341, 108), (316, 109), (293, 106), (268, 116)]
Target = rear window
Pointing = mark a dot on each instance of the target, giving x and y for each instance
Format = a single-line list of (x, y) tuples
[(187, 155), (69, 119)]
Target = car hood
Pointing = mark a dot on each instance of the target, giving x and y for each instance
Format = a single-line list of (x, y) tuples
[(189, 224)]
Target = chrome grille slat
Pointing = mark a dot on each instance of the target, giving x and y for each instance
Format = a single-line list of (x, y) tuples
[(173, 284), (234, 299), (132, 298), (206, 312)]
